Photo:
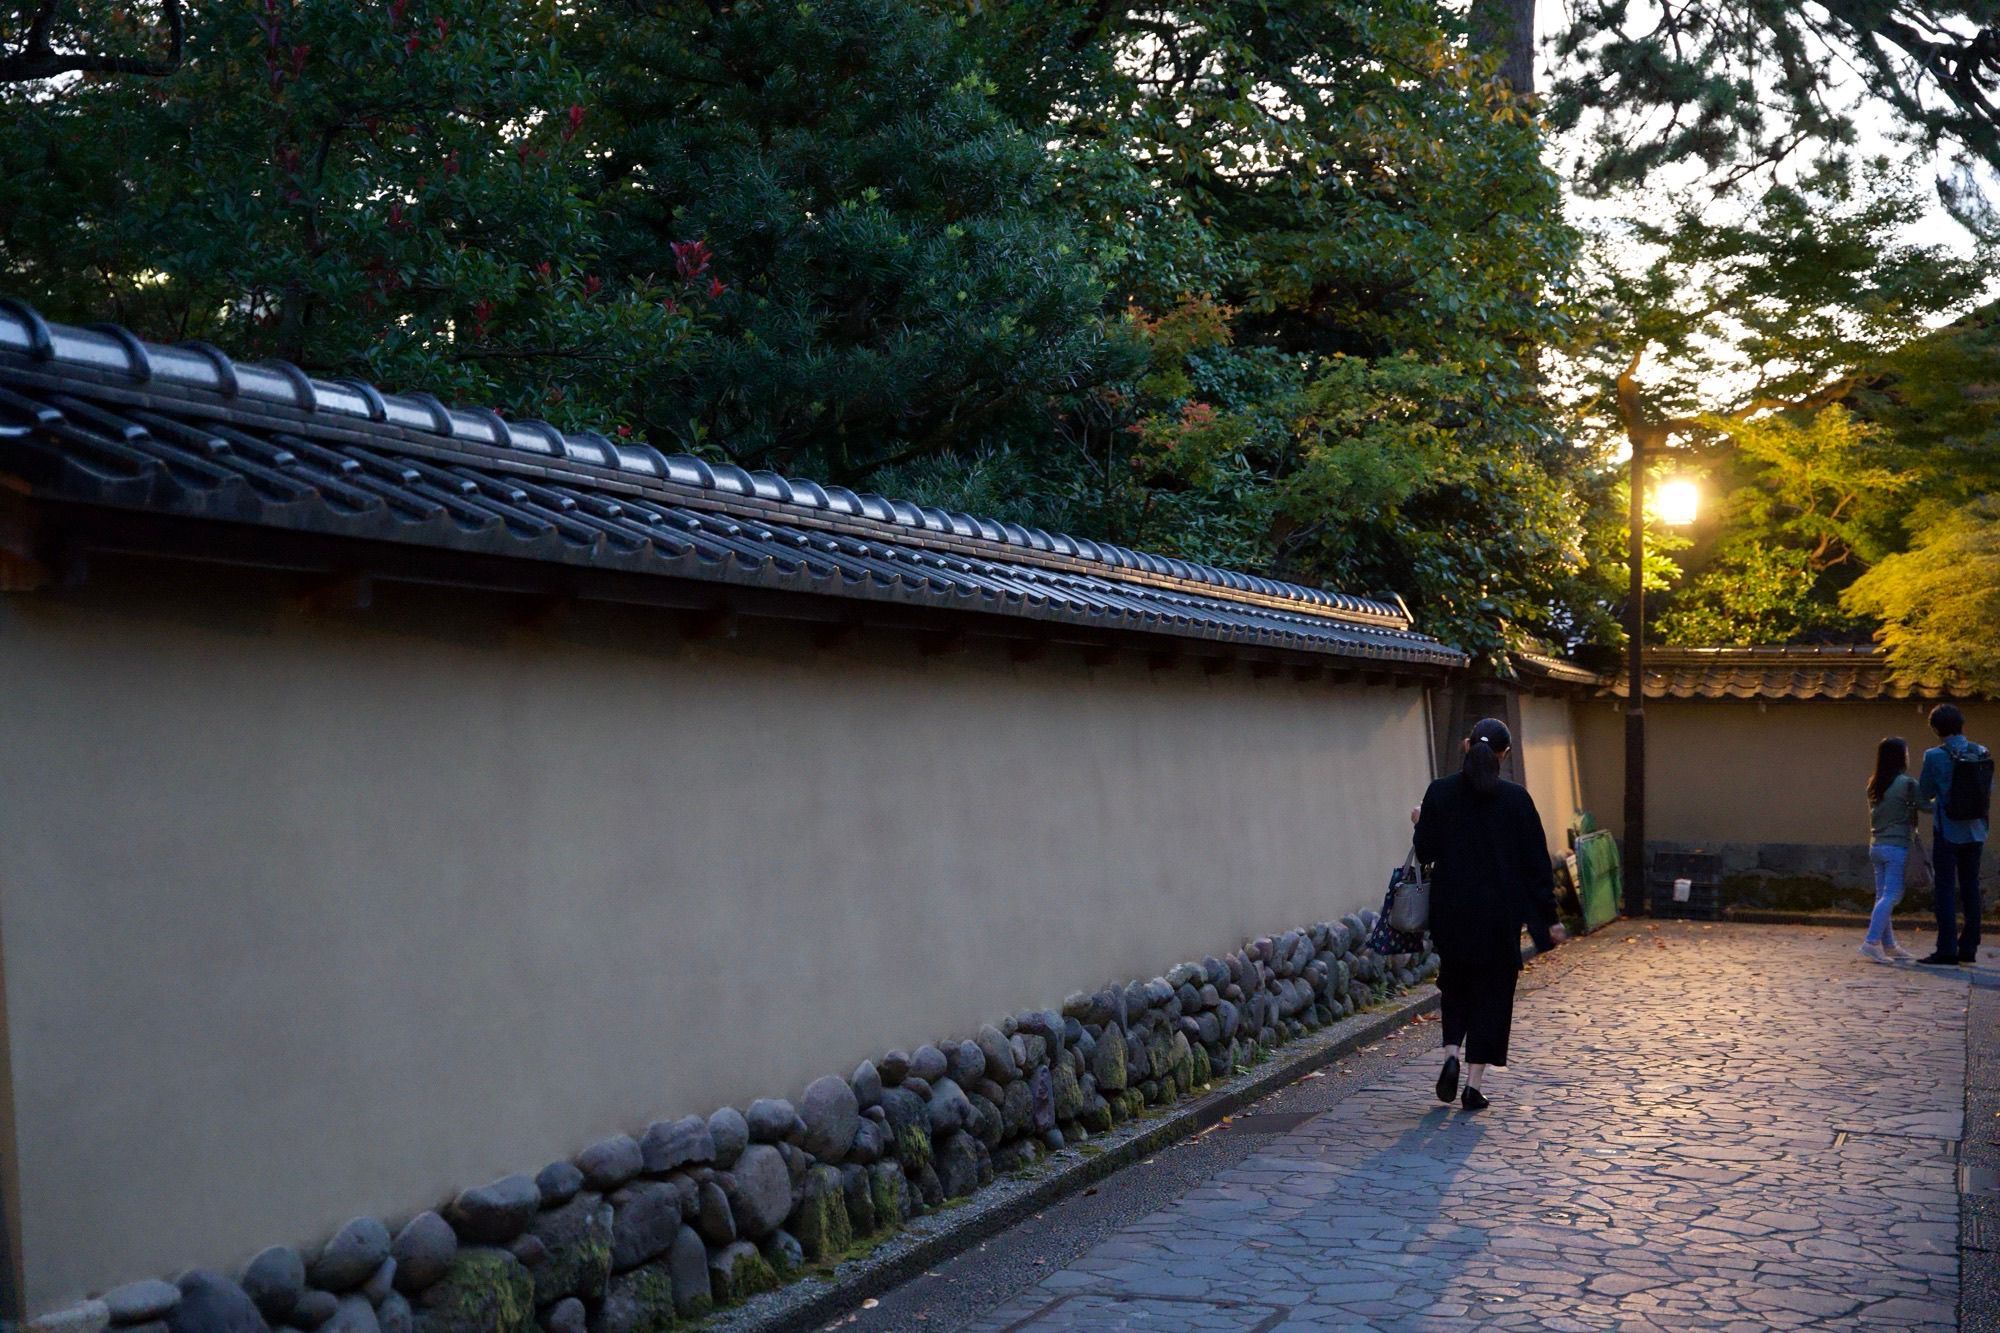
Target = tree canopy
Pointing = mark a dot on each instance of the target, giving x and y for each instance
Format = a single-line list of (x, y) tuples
[(1293, 288)]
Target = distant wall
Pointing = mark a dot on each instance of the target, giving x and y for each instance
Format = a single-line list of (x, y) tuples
[(1549, 764), (303, 919), (1774, 785)]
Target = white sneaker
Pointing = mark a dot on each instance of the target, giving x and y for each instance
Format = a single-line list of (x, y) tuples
[(1901, 955), (1874, 953)]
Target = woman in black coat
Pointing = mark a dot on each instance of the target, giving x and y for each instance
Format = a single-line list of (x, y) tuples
[(1490, 876)]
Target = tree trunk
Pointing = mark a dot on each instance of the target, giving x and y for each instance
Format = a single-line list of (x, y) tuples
[(1508, 26)]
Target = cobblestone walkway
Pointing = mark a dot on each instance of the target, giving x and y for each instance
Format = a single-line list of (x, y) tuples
[(1724, 1127)]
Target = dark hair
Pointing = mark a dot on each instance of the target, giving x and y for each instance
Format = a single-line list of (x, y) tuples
[(1946, 720), (1892, 759), (1489, 740)]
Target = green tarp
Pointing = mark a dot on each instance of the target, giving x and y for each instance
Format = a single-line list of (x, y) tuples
[(1597, 878)]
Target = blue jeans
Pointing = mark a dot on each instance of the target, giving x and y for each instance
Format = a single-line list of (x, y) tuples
[(1888, 863), (1955, 867)]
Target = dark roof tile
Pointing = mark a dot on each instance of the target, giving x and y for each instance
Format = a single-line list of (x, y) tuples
[(99, 418), (1807, 671)]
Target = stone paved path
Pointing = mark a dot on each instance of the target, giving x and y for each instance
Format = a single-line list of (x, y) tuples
[(1720, 1127)]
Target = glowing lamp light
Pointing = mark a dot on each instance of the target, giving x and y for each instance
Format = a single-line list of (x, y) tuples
[(1676, 501)]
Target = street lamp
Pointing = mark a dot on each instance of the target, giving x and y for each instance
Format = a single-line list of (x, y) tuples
[(1675, 501)]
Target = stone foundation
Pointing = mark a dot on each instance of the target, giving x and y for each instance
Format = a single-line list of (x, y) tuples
[(1797, 877), (637, 1234)]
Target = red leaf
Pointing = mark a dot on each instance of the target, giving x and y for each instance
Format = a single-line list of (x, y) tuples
[(690, 258)]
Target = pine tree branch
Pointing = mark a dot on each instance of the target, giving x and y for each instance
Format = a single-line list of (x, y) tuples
[(38, 58)]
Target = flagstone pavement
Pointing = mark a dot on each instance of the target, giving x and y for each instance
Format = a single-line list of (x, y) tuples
[(1717, 1128)]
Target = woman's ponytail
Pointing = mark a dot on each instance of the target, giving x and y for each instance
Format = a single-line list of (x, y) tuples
[(1489, 740), (1482, 768)]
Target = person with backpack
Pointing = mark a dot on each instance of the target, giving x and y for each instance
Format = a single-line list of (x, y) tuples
[(1956, 785)]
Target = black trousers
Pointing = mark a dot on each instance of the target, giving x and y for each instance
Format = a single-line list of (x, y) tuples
[(1955, 883), (1478, 1003)]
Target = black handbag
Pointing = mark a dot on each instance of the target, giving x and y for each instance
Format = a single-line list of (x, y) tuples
[(1406, 911)]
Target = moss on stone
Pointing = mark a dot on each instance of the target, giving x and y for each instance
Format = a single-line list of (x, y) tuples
[(860, 1249), (578, 1237), (913, 1147), (749, 1274), (484, 1291), (641, 1301), (1109, 1064), (1068, 1093), (754, 1277), (890, 1193), (820, 1221)]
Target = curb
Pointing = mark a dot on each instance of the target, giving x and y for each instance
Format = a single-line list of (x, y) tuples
[(940, 1235)]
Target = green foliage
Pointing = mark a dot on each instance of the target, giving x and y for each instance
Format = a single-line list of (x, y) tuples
[(1826, 484), (1937, 401), (1730, 313), (1398, 482), (1252, 284), (1756, 593), (889, 276), (1939, 600), (1937, 397), (1340, 248), (1731, 338), (398, 191), (1818, 497)]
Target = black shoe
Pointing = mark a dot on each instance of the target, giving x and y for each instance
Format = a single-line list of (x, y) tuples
[(1939, 960), (1448, 1080), (1474, 1100)]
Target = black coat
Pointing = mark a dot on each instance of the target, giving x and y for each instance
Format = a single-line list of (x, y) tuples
[(1490, 874)]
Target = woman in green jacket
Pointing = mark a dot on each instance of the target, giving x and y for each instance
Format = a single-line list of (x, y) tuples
[(1892, 817)]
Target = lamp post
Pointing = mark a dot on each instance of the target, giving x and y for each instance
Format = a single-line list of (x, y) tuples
[(1676, 504)]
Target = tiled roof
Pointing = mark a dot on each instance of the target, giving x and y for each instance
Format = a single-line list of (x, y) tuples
[(1539, 668), (98, 418), (1828, 671)]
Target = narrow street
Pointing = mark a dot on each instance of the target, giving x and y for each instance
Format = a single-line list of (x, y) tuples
[(1725, 1127)]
